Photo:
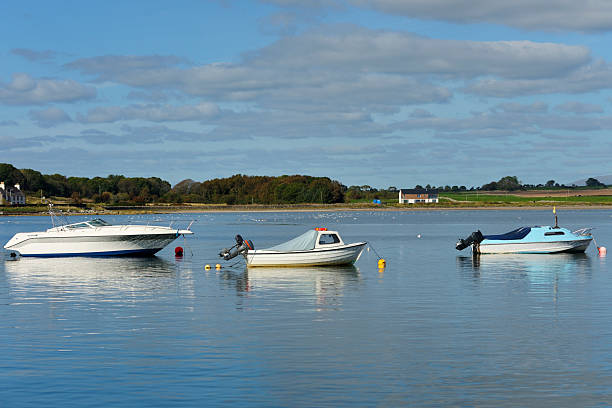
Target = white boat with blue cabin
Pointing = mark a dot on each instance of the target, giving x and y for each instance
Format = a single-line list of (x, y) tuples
[(529, 240)]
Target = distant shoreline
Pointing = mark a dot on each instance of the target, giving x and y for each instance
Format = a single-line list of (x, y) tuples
[(298, 208)]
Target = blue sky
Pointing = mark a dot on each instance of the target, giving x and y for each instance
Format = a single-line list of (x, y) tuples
[(377, 92)]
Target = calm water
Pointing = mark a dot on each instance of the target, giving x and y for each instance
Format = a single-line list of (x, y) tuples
[(436, 328)]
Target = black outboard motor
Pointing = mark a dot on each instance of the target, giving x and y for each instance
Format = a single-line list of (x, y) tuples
[(474, 239), (242, 246)]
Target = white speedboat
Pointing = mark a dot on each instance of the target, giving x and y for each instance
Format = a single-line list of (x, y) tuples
[(313, 248), (94, 238), (529, 240)]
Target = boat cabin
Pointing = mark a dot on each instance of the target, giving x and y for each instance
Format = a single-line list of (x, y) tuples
[(328, 239), (317, 238)]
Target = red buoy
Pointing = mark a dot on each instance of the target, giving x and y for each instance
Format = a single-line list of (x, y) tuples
[(178, 251)]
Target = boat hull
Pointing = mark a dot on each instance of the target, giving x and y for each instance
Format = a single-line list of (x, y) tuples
[(553, 247), (56, 245), (343, 255)]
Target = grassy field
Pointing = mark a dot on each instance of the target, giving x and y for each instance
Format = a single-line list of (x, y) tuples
[(480, 198)]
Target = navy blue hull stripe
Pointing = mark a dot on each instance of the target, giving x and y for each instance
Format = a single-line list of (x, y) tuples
[(107, 253)]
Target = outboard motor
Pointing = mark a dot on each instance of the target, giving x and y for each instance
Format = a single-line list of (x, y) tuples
[(242, 246), (474, 239)]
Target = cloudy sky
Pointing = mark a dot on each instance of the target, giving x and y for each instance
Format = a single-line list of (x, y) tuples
[(378, 92)]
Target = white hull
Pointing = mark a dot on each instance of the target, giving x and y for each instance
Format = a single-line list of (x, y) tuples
[(105, 241), (343, 255), (534, 247)]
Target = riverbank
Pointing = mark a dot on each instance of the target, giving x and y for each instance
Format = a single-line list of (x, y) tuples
[(211, 208)]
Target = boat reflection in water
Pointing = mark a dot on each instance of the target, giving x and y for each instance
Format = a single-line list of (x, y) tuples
[(96, 277), (536, 268), (324, 284)]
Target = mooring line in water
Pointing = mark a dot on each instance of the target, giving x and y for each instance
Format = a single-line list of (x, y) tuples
[(370, 245), (381, 262), (601, 251), (217, 266), (234, 264)]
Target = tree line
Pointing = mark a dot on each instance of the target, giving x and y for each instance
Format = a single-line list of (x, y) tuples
[(121, 190), (114, 189), (237, 189), (512, 183), (243, 189)]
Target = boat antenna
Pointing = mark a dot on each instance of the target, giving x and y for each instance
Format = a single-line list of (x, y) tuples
[(52, 214), (556, 220)]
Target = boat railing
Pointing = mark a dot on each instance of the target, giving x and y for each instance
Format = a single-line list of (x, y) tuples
[(583, 231), (188, 226)]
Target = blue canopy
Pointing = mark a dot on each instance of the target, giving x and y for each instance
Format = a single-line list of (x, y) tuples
[(304, 242), (518, 233)]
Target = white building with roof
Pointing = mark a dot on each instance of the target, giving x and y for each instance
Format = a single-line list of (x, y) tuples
[(414, 195), (11, 195)]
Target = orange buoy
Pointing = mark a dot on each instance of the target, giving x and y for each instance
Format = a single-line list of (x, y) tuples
[(602, 251), (178, 251), (381, 263)]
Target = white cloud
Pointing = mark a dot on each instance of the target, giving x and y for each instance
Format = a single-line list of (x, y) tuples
[(26, 90), (111, 67), (588, 78), (499, 124), (589, 15), (348, 68), (513, 107), (356, 49), (579, 108), (35, 56), (139, 135), (49, 117), (153, 113), (303, 3)]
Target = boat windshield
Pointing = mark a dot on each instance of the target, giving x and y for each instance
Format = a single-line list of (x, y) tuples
[(98, 222), (78, 225)]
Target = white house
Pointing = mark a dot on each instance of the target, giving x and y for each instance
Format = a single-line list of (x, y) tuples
[(11, 195), (412, 196)]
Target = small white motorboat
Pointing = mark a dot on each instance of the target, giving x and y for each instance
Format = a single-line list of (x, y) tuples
[(313, 248), (529, 240), (94, 238)]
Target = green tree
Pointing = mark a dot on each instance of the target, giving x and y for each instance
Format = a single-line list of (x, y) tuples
[(34, 180), (11, 175), (509, 183), (593, 182)]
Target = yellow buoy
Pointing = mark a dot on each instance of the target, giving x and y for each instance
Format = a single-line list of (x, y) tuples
[(381, 263), (218, 266), (207, 267)]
